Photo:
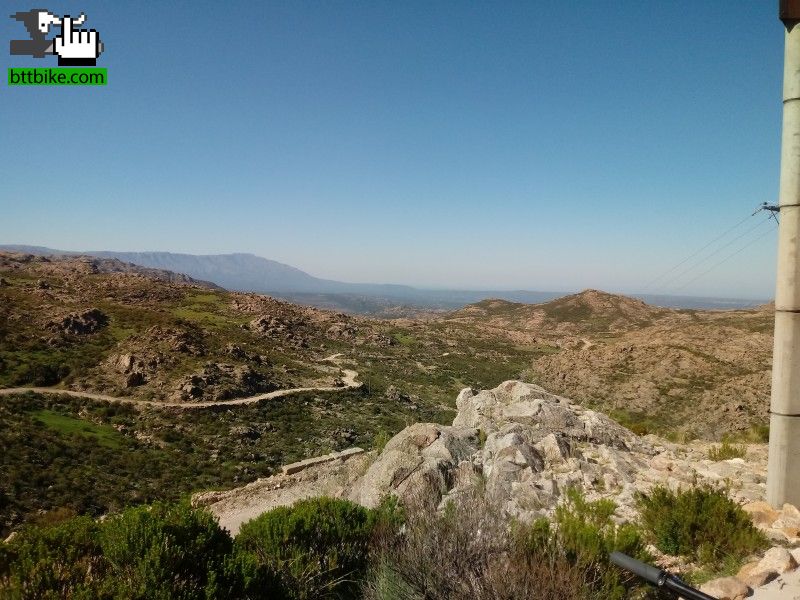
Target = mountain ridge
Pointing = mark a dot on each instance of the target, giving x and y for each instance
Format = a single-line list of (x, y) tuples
[(248, 272)]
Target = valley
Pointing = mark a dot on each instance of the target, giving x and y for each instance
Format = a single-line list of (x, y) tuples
[(206, 389)]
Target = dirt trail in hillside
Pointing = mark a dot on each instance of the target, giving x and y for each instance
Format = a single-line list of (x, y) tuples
[(349, 381), (238, 505)]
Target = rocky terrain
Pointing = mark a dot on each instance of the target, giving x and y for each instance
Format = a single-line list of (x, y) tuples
[(258, 374), (703, 373), (102, 326), (523, 448)]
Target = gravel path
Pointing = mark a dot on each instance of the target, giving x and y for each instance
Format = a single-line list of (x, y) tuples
[(349, 380)]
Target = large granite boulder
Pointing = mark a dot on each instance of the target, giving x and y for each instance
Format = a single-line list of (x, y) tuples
[(422, 461), (519, 443)]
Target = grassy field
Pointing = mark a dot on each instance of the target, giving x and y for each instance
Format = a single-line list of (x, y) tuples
[(68, 426)]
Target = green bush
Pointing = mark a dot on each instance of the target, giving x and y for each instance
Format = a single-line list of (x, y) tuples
[(56, 561), (40, 373), (586, 534), (701, 523), (318, 547), (381, 439), (726, 451), (168, 551), (160, 552)]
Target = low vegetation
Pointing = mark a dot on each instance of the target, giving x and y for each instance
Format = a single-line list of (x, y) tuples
[(314, 549), (322, 548), (700, 523), (330, 548), (98, 457), (726, 450), (584, 534)]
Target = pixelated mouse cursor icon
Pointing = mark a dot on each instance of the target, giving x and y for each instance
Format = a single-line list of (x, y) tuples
[(77, 47)]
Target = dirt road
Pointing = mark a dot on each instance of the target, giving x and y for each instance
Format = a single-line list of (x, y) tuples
[(349, 380)]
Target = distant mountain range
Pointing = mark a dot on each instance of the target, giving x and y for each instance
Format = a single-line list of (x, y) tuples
[(247, 272)]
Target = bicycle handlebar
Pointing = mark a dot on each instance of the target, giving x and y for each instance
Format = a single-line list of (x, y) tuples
[(658, 577), (647, 572)]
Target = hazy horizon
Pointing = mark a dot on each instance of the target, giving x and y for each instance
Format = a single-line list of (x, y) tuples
[(495, 146), (417, 286)]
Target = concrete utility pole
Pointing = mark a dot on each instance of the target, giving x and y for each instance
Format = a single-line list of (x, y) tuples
[(783, 473)]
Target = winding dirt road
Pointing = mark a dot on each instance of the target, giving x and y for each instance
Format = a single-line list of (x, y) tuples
[(349, 380)]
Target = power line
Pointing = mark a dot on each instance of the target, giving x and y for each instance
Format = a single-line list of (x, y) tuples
[(691, 256), (727, 258), (673, 279)]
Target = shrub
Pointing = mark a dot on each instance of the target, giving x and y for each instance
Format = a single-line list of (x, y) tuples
[(56, 561), (465, 551), (585, 534), (316, 548), (701, 523), (41, 373), (482, 437), (381, 439), (726, 451), (168, 551)]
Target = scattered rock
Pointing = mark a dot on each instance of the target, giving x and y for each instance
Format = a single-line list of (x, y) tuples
[(761, 513), (346, 435), (84, 323), (240, 353), (221, 381), (777, 560), (788, 521), (380, 340), (245, 431), (344, 331), (726, 588), (795, 552), (134, 379), (754, 576)]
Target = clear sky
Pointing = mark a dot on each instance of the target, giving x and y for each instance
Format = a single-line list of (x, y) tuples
[(546, 145)]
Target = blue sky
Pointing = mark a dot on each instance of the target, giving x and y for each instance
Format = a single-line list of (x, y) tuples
[(534, 145)]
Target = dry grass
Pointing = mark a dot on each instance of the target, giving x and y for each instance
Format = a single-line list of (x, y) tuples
[(467, 551)]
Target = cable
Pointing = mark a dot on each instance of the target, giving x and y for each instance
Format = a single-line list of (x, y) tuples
[(727, 258), (677, 277), (691, 256)]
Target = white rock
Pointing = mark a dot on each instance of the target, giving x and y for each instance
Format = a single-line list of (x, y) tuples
[(777, 560), (554, 448), (753, 575), (726, 588)]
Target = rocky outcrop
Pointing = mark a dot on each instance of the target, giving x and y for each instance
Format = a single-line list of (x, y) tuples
[(221, 381), (280, 328), (423, 460), (83, 323), (524, 445)]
